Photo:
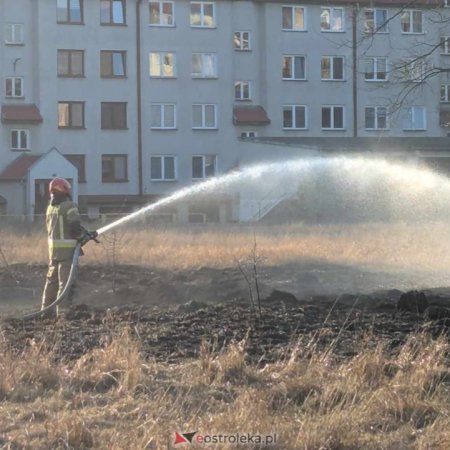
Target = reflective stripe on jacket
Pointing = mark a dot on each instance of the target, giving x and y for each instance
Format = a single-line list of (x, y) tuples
[(61, 242)]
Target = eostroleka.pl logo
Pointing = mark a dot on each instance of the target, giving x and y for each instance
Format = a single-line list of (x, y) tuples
[(184, 438), (233, 438)]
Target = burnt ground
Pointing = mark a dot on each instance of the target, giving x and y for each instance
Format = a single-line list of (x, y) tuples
[(172, 313)]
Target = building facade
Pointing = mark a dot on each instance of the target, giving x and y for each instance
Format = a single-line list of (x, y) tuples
[(146, 97)]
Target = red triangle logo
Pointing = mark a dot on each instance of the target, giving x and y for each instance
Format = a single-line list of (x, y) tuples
[(179, 439)]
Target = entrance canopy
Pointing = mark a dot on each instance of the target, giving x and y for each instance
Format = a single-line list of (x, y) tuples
[(29, 171)]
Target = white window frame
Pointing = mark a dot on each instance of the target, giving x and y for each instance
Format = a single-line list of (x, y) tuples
[(375, 60), (161, 23), (445, 45), (203, 111), (377, 115), (377, 27), (14, 33), (412, 110), (445, 89), (202, 15), (293, 109), (21, 132), (332, 107), (292, 66), (294, 9), (14, 94), (161, 64), (162, 159), (411, 12), (203, 177), (240, 35), (203, 57), (332, 58), (163, 106), (332, 19), (241, 86)]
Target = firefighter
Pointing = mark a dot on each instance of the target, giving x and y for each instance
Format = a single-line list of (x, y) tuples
[(64, 231)]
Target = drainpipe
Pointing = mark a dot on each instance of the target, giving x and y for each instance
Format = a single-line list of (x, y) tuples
[(139, 94), (355, 72)]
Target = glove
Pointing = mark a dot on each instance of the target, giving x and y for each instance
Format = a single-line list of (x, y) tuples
[(93, 235), (88, 236)]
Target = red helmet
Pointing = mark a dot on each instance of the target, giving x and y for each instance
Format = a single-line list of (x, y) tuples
[(59, 186)]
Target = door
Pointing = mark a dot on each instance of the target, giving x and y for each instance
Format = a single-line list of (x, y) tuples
[(41, 196)]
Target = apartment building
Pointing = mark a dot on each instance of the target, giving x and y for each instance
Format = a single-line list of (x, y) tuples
[(135, 99)]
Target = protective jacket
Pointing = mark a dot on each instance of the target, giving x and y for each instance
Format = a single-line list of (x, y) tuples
[(63, 228)]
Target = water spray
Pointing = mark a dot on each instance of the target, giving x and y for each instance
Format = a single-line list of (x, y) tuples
[(402, 180)]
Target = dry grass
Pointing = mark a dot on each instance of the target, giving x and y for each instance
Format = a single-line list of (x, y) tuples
[(112, 398), (422, 246)]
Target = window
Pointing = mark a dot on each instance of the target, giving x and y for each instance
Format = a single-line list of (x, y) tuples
[(332, 117), (202, 15), (204, 65), (112, 12), (248, 134), (376, 69), (376, 118), (414, 118), (203, 166), (70, 63), (114, 115), (20, 139), (375, 21), (332, 68), (294, 68), (242, 90), (445, 45), (163, 168), (241, 40), (69, 11), (413, 70), (114, 168), (14, 87), (163, 116), (79, 161), (294, 117), (162, 64), (331, 19), (204, 116), (112, 64), (445, 93), (71, 115), (14, 33), (161, 14), (294, 18), (411, 21)]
